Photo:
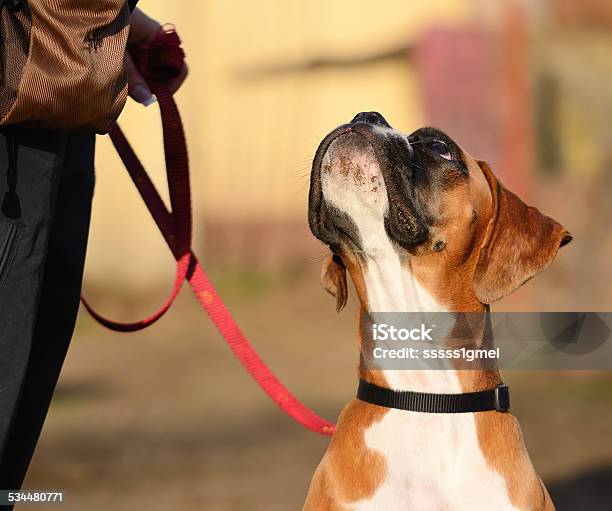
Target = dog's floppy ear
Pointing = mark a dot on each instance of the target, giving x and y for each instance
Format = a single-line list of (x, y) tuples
[(333, 278), (519, 243)]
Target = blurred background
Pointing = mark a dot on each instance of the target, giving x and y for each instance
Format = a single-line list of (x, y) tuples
[(167, 418)]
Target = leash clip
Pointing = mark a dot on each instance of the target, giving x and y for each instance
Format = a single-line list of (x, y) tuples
[(502, 398)]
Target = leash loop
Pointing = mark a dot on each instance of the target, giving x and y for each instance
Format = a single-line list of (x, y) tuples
[(158, 60)]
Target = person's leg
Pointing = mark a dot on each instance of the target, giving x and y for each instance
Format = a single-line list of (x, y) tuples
[(30, 161), (57, 307)]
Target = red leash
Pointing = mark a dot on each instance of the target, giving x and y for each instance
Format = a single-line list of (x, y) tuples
[(159, 61)]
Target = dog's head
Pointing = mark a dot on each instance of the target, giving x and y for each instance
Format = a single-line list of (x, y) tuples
[(381, 197)]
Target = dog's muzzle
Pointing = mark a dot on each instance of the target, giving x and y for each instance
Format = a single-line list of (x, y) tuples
[(366, 141)]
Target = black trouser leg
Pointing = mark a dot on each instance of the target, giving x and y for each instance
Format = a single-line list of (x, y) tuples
[(39, 299)]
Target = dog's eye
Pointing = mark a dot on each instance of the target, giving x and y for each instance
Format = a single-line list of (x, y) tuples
[(441, 149)]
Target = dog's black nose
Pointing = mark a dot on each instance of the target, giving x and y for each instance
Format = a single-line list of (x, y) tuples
[(371, 118)]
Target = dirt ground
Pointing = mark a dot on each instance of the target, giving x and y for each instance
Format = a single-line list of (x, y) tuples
[(167, 419)]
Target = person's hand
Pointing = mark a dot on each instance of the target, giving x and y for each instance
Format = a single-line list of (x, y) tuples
[(143, 28)]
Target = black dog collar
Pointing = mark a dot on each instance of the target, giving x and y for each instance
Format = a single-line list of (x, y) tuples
[(493, 399)]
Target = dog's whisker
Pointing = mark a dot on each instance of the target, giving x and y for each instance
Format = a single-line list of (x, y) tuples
[(315, 259), (418, 166)]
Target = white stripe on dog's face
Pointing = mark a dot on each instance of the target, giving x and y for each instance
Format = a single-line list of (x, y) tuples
[(352, 183)]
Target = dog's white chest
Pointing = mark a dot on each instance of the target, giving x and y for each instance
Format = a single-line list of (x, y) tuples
[(433, 463)]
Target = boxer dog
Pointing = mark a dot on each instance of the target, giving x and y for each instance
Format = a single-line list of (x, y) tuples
[(422, 226)]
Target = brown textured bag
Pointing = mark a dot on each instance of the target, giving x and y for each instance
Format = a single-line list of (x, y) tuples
[(62, 63)]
